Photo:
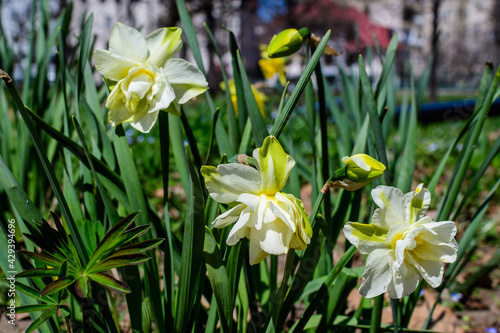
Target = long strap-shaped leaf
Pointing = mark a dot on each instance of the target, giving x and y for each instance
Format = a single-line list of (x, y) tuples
[(225, 145), (192, 251), (49, 171), (283, 117)]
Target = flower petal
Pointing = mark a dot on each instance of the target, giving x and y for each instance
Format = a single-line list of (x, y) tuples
[(113, 66), (273, 238), (416, 204), (128, 42), (186, 79), (256, 254), (274, 165), (146, 122), (401, 286), (377, 274), (432, 271), (163, 44), (226, 182), (390, 201), (366, 237), (230, 216), (119, 115), (242, 227)]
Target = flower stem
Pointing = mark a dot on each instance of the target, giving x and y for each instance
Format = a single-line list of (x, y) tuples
[(395, 314)]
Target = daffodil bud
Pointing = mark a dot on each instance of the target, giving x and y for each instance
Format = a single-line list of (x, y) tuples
[(359, 170), (286, 42), (362, 168)]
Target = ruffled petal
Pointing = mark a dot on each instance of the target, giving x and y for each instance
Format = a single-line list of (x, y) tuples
[(113, 66), (274, 165), (431, 271), (228, 217), (256, 254), (228, 181), (146, 122), (128, 42), (390, 201), (163, 44), (366, 237), (416, 204), (242, 227), (119, 115), (403, 285), (273, 238), (186, 79), (377, 274)]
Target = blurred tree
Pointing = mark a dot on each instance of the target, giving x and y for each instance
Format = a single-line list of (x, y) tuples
[(434, 48)]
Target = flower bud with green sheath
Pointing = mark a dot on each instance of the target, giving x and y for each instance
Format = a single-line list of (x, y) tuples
[(359, 170), (287, 42)]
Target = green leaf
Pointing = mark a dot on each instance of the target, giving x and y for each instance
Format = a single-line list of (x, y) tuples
[(225, 145), (374, 117), (57, 285), (324, 288), (33, 293), (43, 318), (283, 117), (111, 238), (219, 280), (258, 125), (82, 286), (192, 252), (406, 167), (390, 55), (110, 282), (110, 210), (306, 269), (138, 247), (41, 258), (49, 172), (34, 308), (119, 261), (38, 272)]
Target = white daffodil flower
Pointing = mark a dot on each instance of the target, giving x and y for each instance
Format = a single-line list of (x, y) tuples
[(404, 246), (273, 221), (143, 76)]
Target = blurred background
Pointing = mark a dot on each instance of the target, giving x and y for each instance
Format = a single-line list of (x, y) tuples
[(463, 34)]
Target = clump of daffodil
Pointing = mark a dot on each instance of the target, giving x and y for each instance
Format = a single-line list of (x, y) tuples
[(403, 244), (272, 67), (260, 97), (273, 221), (287, 42), (143, 76)]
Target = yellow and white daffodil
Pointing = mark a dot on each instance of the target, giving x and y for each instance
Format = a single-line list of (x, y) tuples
[(403, 244), (273, 221), (143, 76)]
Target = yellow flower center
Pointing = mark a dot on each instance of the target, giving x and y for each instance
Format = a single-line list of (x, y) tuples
[(397, 237)]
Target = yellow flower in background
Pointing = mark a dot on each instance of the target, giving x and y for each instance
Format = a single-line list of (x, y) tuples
[(271, 67), (260, 97), (403, 244), (143, 76), (273, 221)]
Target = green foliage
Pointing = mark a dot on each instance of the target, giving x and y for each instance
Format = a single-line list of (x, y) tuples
[(60, 161)]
